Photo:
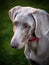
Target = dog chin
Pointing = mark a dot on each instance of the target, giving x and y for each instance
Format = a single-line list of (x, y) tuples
[(21, 45)]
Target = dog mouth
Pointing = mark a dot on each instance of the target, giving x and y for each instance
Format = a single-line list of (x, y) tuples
[(19, 41), (20, 44)]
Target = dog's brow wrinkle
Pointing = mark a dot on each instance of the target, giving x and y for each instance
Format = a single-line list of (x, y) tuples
[(16, 14)]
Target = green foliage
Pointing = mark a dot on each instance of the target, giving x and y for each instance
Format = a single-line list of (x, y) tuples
[(8, 55)]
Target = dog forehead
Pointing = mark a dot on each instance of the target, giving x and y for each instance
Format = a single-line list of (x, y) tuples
[(20, 16), (23, 17)]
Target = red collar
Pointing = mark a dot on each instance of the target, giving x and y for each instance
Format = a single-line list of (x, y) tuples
[(33, 39)]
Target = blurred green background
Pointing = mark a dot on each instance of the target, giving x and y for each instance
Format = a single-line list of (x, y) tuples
[(8, 55)]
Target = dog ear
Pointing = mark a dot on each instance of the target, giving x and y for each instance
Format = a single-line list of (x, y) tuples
[(42, 23), (13, 11)]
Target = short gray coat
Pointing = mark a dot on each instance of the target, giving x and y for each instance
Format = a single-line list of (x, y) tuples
[(41, 17)]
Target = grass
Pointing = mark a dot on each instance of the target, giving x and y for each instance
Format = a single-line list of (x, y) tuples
[(8, 55)]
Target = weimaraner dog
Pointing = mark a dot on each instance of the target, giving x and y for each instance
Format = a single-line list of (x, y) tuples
[(31, 30)]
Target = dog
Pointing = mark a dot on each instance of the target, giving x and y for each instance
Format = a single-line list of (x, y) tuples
[(31, 30)]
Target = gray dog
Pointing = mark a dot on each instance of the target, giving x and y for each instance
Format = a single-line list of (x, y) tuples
[(31, 29)]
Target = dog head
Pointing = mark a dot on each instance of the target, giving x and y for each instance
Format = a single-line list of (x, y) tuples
[(23, 26), (25, 20)]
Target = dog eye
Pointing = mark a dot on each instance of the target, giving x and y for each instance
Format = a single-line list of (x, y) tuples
[(16, 23), (25, 25)]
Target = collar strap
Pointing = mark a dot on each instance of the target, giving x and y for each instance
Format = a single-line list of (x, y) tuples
[(33, 39)]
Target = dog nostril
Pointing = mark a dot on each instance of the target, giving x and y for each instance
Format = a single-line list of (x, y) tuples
[(14, 45)]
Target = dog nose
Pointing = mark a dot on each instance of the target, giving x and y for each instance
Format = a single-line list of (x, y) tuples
[(14, 45)]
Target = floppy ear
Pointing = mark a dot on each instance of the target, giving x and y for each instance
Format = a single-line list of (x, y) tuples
[(13, 11), (42, 23)]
